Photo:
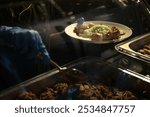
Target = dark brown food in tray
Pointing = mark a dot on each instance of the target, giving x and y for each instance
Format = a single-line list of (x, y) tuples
[(104, 82), (79, 92), (141, 44), (145, 50)]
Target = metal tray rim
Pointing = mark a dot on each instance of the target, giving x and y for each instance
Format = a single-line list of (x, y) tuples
[(125, 49)]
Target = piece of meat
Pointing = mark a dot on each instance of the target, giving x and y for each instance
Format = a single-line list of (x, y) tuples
[(61, 87), (79, 29), (49, 94), (96, 37), (27, 96)]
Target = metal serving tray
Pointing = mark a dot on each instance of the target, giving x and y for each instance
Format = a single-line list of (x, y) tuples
[(96, 70), (130, 47)]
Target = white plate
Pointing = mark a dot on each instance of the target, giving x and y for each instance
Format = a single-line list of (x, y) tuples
[(128, 32)]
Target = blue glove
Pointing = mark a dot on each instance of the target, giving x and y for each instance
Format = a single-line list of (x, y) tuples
[(27, 42), (80, 20)]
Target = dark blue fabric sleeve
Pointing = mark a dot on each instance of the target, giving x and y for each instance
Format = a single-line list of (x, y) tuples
[(22, 53), (27, 42)]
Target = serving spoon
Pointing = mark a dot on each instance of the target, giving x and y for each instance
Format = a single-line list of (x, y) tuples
[(71, 74)]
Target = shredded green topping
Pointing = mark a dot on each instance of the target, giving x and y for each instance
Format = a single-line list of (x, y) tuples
[(99, 29)]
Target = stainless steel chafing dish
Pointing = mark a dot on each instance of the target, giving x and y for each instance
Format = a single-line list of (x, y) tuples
[(131, 47), (96, 70)]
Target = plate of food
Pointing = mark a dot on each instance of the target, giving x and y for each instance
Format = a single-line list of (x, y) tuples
[(99, 32)]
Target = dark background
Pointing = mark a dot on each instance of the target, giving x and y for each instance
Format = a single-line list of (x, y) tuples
[(51, 16)]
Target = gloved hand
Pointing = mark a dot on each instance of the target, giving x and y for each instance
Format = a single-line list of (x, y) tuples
[(26, 42)]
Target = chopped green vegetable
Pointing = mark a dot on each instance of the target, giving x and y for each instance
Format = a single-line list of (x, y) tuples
[(102, 29)]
